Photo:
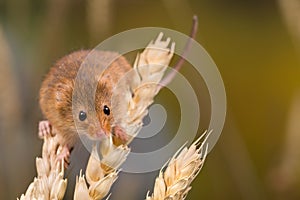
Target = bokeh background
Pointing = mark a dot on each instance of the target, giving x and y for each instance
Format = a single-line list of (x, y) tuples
[(255, 44)]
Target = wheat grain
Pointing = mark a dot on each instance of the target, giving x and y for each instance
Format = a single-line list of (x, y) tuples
[(100, 173), (181, 170), (49, 183)]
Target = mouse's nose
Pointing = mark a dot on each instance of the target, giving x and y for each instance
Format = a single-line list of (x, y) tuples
[(100, 133)]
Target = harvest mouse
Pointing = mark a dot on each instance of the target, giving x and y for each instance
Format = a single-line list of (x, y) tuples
[(56, 92)]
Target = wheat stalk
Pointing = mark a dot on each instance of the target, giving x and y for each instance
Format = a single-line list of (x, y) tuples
[(174, 183), (49, 183)]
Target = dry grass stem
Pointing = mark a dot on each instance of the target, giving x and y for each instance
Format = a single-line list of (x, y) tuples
[(291, 13), (174, 182), (49, 183)]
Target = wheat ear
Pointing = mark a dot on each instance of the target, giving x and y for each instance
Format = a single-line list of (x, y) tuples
[(148, 69), (100, 173), (49, 183), (174, 182)]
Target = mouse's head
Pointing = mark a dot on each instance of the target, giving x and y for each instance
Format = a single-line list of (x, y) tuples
[(95, 122)]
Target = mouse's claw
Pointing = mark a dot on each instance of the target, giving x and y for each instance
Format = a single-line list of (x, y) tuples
[(44, 128)]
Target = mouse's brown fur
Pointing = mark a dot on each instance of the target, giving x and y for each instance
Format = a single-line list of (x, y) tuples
[(57, 90)]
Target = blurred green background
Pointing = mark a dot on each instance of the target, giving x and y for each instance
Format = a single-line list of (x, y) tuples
[(255, 45)]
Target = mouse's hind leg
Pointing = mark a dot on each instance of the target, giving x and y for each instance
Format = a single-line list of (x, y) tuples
[(64, 155), (45, 128)]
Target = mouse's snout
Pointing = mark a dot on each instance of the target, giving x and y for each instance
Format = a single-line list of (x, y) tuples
[(100, 133), (96, 132)]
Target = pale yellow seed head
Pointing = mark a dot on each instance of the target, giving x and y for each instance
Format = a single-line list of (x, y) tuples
[(81, 190)]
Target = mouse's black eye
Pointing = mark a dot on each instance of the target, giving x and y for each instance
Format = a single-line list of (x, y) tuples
[(106, 110), (82, 115)]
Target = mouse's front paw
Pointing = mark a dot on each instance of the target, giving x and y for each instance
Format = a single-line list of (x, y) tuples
[(120, 133), (44, 128)]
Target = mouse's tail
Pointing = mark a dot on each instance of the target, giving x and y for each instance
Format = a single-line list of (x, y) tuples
[(169, 77)]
